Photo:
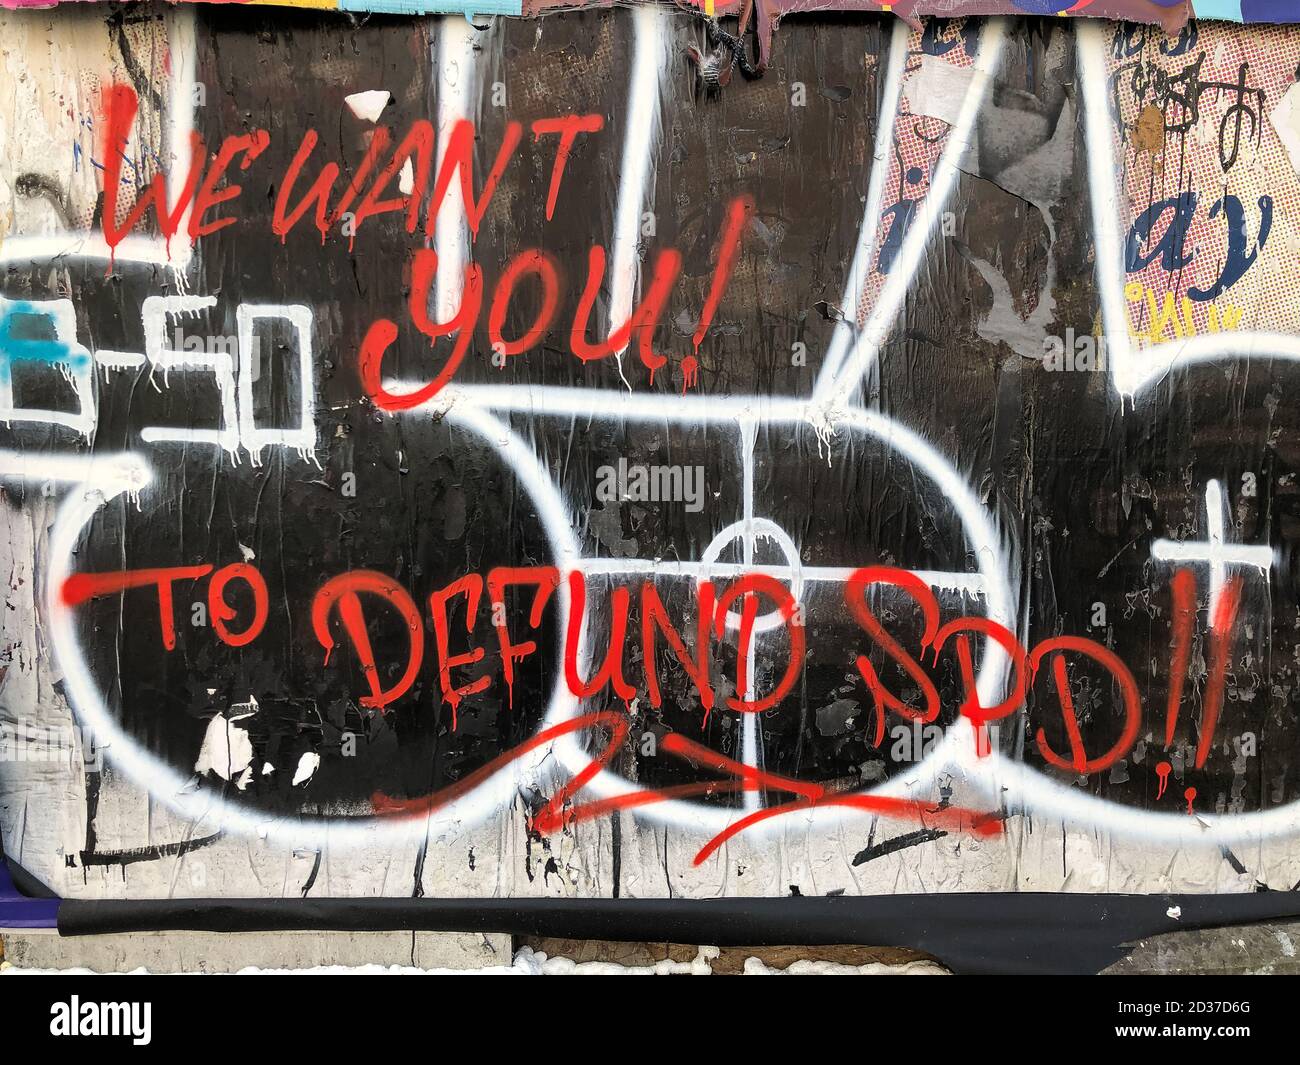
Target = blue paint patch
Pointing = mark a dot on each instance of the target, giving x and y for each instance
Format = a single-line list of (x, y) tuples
[(28, 335), (1044, 7), (21, 911), (1220, 9), (1270, 10)]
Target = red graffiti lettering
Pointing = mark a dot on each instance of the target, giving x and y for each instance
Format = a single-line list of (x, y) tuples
[(459, 158), (221, 612), (653, 615), (611, 669), (1079, 761), (417, 145), (1183, 590), (250, 146), (1222, 625), (382, 333), (542, 266), (546, 579), (855, 596), (568, 127), (471, 587), (83, 586), (643, 319), (344, 593), (119, 105), (748, 588), (739, 211), (972, 707)]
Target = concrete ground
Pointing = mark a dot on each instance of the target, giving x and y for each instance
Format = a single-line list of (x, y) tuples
[(205, 952), (1256, 949), (215, 952), (1246, 950)]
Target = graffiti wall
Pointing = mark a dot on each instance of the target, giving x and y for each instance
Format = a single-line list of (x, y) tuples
[(585, 456)]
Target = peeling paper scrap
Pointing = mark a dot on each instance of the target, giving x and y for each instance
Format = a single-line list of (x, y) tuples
[(1286, 120), (938, 89), (368, 105)]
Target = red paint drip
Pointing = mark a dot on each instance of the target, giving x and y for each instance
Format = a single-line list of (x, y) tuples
[(690, 373), (1225, 617), (1183, 588), (1162, 772)]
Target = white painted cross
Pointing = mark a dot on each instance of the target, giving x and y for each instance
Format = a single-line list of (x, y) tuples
[(1214, 550)]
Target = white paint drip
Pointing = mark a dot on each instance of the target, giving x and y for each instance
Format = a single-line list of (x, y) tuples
[(649, 64), (457, 66)]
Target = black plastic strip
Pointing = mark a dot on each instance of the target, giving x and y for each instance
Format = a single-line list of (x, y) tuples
[(971, 933), (25, 882)]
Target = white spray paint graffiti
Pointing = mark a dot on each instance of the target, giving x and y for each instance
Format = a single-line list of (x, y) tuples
[(830, 411)]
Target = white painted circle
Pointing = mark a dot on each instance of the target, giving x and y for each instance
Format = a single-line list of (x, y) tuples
[(758, 528)]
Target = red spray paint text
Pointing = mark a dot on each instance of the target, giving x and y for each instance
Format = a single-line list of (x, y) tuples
[(342, 597), (369, 194), (354, 598)]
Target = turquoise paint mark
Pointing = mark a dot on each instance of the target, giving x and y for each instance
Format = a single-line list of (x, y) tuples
[(1220, 9), (21, 341)]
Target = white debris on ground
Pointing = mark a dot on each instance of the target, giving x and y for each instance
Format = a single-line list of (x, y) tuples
[(528, 962), (757, 967)]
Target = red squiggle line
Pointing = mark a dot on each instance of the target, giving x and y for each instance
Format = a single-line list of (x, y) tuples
[(553, 817), (752, 776), (955, 816), (412, 808), (589, 811), (747, 778)]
